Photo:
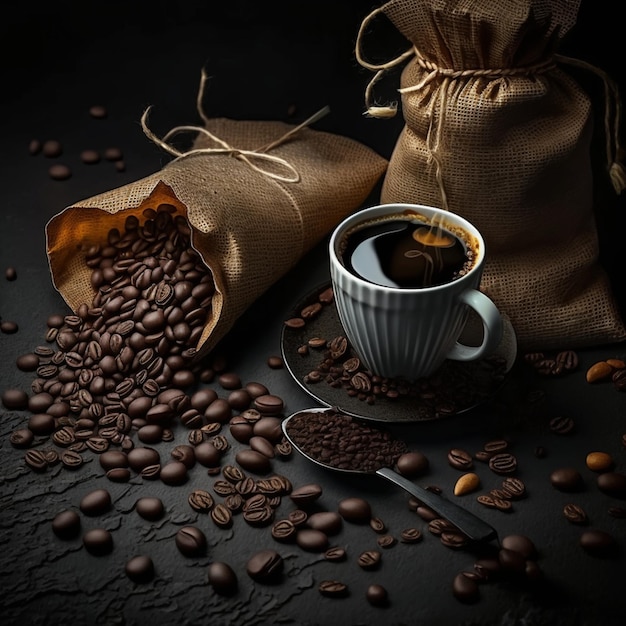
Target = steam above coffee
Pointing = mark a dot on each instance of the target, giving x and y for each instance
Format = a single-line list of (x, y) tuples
[(405, 252)]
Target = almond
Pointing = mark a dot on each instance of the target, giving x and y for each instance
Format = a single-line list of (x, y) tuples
[(599, 371), (466, 484), (617, 364), (599, 461)]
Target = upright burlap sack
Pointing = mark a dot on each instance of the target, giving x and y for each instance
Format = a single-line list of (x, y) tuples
[(252, 215), (498, 131)]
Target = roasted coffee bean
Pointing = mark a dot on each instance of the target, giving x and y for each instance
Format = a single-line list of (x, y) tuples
[(200, 500), (619, 512), (234, 502), (411, 535), (118, 475), (562, 425), (377, 525), (612, 483), (333, 589), (298, 517), (329, 522), (223, 488), (465, 589), (598, 543), (335, 554), (221, 515), (355, 510), (98, 541), (140, 569), (15, 399), (96, 502), (306, 494), (566, 361), (386, 541), (262, 445), (377, 595), (72, 459), (191, 541), (503, 463), (150, 508), (21, 438), (460, 459), (253, 461), (312, 540), (575, 514), (174, 473), (185, 454), (284, 530), (566, 479), (370, 559), (513, 487), (222, 578), (265, 566), (496, 445), (412, 464), (66, 524)]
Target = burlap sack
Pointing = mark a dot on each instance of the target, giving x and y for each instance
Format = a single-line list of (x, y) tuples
[(252, 216), (497, 131)]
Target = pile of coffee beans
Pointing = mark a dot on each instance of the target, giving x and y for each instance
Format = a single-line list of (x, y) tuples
[(343, 442), (120, 362)]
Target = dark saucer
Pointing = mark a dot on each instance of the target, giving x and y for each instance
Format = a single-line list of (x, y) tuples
[(455, 388)]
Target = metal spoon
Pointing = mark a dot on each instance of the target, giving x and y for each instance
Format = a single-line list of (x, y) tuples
[(474, 527)]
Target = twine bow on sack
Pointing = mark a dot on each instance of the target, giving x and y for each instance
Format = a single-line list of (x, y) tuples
[(612, 115), (247, 156)]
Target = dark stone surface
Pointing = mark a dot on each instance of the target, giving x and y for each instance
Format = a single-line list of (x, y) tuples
[(263, 59)]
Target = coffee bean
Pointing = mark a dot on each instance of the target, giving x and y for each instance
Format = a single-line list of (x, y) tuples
[(355, 510), (333, 589), (521, 544), (377, 525), (460, 459), (21, 438), (98, 111), (222, 578), (150, 508), (335, 554), (200, 500), (191, 541), (370, 559), (566, 479), (329, 522), (253, 461), (265, 566), (284, 530), (174, 473), (72, 459), (598, 543), (612, 483), (575, 514), (562, 425), (412, 464), (119, 475), (513, 487), (59, 171), (503, 463), (306, 494), (411, 535), (311, 539), (15, 399), (52, 148), (66, 524), (221, 515), (140, 569), (98, 541), (465, 589), (386, 541), (96, 502)]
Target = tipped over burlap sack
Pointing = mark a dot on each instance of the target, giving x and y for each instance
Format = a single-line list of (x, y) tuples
[(498, 131), (252, 215)]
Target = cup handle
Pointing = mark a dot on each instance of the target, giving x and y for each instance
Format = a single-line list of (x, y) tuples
[(492, 327)]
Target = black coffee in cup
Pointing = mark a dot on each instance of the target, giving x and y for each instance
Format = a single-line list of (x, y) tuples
[(405, 252)]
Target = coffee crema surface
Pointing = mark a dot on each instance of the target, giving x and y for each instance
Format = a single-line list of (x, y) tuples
[(403, 251)]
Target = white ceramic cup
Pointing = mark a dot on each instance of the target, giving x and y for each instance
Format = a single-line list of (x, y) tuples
[(410, 332)]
